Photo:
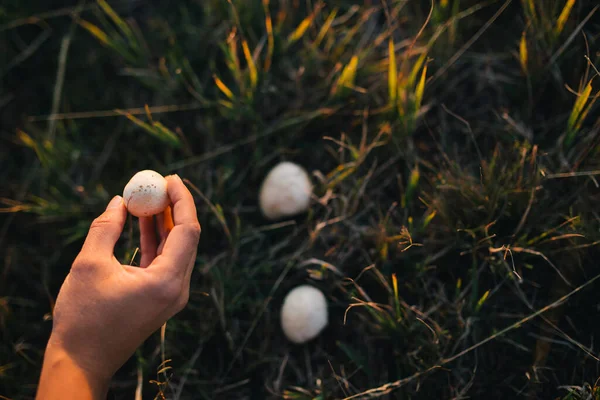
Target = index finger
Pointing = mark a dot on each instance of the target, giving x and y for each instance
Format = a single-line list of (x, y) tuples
[(182, 242), (184, 208)]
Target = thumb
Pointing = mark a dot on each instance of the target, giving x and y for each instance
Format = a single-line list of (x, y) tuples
[(106, 230)]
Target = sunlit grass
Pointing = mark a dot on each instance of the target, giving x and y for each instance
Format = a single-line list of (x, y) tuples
[(455, 162)]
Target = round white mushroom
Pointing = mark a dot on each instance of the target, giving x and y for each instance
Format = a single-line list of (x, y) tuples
[(304, 314), (146, 194), (285, 191)]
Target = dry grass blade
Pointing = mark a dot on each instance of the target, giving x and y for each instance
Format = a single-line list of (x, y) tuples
[(140, 383), (37, 18), (470, 42), (60, 78), (258, 317), (117, 112), (283, 124), (217, 210), (571, 37), (27, 52)]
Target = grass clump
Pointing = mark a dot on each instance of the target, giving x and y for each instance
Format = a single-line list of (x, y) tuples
[(454, 151)]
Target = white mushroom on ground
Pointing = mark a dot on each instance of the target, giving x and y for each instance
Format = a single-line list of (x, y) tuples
[(146, 194), (285, 191), (304, 314)]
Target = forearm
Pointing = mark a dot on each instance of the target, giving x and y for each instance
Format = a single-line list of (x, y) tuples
[(62, 378)]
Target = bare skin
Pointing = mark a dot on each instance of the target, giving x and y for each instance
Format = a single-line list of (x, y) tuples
[(105, 310)]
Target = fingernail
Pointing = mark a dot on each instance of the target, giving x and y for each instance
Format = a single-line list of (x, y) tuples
[(115, 202)]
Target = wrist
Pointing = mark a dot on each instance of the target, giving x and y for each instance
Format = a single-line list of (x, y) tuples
[(64, 378)]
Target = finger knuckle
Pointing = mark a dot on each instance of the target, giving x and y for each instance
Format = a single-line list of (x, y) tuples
[(100, 222), (183, 300), (194, 230), (82, 264), (166, 292)]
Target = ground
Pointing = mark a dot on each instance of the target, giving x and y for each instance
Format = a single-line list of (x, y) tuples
[(454, 151)]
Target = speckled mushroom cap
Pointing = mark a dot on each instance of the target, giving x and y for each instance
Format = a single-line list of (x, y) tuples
[(146, 194), (304, 314), (285, 191)]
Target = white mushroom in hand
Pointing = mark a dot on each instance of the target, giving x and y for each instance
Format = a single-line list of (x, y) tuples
[(304, 314), (146, 194), (285, 191)]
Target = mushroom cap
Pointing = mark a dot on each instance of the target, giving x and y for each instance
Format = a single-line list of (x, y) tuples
[(304, 314), (146, 194), (285, 191)]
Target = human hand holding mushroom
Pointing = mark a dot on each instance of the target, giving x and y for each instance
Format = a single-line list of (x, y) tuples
[(104, 309)]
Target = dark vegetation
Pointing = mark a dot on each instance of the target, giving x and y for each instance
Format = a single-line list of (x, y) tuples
[(455, 156)]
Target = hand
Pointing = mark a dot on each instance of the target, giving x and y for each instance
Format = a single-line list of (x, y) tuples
[(104, 309)]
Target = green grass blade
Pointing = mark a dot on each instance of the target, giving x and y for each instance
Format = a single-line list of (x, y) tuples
[(270, 36), (564, 16), (157, 129), (482, 300), (251, 66), (108, 41), (529, 6), (392, 74), (28, 141), (428, 219), (586, 111), (118, 21), (300, 30), (356, 358), (325, 28), (223, 88), (96, 32), (415, 69), (523, 52), (578, 107), (348, 75), (420, 89), (411, 187), (166, 135)]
